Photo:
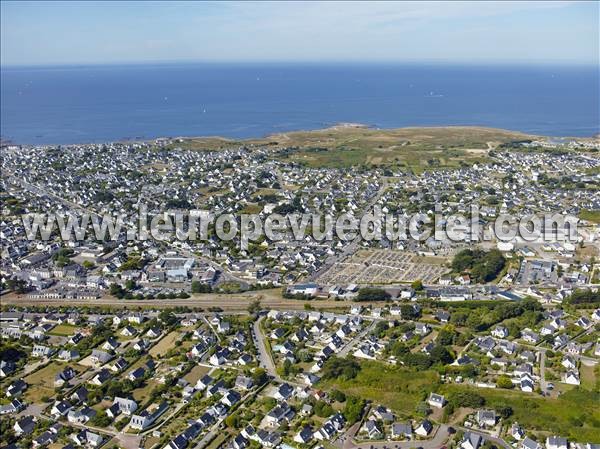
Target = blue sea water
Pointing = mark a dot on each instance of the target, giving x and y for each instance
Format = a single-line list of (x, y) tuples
[(107, 103)]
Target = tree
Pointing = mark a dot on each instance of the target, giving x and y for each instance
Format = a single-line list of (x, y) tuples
[(440, 354), (408, 312), (259, 376), (484, 266), (338, 368), (504, 382), (372, 294), (117, 291), (199, 287), (446, 336), (254, 307), (353, 409), (337, 395), (466, 399), (417, 360), (167, 317), (504, 411), (323, 409), (233, 421), (417, 285)]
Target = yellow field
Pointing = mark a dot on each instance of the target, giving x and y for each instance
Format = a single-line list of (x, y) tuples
[(166, 343), (196, 373)]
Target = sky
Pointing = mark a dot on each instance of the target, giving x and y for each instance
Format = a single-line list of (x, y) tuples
[(55, 33)]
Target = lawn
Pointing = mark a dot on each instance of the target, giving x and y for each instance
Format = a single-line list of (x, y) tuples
[(396, 387), (575, 414), (589, 377), (142, 394)]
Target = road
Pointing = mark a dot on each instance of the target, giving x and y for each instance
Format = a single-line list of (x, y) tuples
[(438, 440), (264, 357), (358, 338)]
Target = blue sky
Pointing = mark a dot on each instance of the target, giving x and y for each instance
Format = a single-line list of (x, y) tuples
[(128, 32)]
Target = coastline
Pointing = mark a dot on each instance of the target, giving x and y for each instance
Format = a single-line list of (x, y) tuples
[(338, 127)]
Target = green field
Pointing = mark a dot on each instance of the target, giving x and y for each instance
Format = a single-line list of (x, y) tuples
[(396, 387), (575, 414), (590, 215), (41, 382), (415, 148)]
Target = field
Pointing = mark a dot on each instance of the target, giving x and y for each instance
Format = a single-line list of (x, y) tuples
[(41, 382), (63, 330), (575, 414), (219, 439), (142, 394), (589, 377), (416, 149), (396, 387), (166, 343), (196, 373), (590, 215)]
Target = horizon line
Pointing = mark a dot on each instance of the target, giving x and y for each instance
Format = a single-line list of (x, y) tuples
[(433, 62)]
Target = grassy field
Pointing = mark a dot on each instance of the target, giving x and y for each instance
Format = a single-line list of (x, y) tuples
[(396, 387), (63, 330), (590, 215), (589, 377), (343, 146), (575, 414), (219, 439), (196, 373), (415, 148), (41, 382), (166, 343), (141, 394)]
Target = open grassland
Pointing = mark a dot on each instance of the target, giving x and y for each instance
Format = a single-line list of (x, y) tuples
[(575, 414), (396, 387), (341, 146), (415, 148), (590, 215)]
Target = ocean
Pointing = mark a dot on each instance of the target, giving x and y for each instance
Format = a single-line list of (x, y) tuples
[(79, 104)]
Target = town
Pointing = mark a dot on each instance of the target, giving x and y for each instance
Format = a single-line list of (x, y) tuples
[(303, 344)]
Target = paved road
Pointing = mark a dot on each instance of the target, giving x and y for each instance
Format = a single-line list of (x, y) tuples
[(357, 339), (437, 440), (264, 357)]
